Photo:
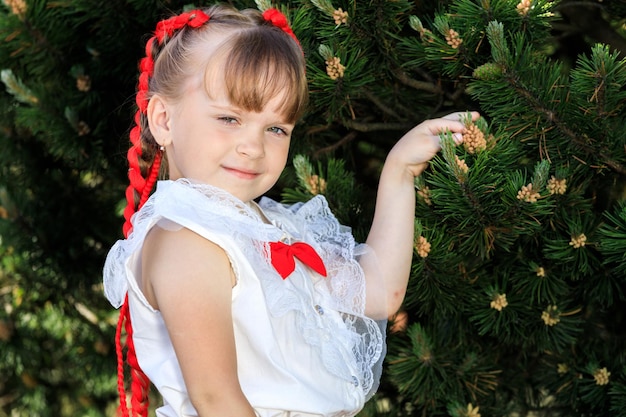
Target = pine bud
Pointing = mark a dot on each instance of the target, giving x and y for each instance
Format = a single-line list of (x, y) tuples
[(551, 316), (528, 194), (601, 376), (472, 411), (453, 39), (557, 186), (334, 69), (399, 322), (578, 241), (562, 368), (17, 7), (488, 72), (422, 247), (474, 139), (416, 24), (523, 7), (339, 16), (424, 194), (83, 128), (315, 185), (83, 83), (499, 302), (461, 164)]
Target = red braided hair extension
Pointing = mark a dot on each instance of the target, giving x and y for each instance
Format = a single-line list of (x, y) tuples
[(143, 187), (164, 30), (120, 358)]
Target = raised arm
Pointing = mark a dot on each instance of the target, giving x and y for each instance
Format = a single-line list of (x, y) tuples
[(391, 235), (189, 280)]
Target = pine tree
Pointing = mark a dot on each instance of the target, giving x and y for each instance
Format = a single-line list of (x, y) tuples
[(516, 297)]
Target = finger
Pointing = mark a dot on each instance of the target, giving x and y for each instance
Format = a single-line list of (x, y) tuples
[(455, 128), (437, 126), (456, 137), (462, 115), (453, 122)]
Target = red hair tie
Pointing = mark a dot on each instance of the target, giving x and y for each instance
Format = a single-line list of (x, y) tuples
[(276, 18), (194, 19)]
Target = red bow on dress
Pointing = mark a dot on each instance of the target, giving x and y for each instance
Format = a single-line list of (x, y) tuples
[(283, 258)]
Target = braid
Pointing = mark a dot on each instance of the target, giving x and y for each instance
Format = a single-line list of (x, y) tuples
[(120, 358), (144, 159), (140, 384), (140, 137)]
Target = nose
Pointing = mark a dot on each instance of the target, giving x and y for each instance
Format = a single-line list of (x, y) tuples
[(251, 145)]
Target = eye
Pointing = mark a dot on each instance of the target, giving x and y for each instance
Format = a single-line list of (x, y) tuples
[(228, 120), (278, 131)]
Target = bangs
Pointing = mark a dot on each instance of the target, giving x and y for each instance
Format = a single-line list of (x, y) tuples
[(259, 65)]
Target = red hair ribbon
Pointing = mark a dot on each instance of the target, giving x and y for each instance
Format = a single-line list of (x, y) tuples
[(283, 258), (276, 18)]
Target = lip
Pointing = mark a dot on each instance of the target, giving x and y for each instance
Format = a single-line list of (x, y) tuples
[(242, 173)]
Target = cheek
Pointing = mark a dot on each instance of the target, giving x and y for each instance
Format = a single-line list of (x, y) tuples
[(284, 157), (280, 153)]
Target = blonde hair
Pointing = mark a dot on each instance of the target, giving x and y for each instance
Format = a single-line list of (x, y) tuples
[(259, 62)]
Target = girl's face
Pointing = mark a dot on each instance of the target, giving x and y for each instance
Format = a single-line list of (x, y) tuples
[(209, 140)]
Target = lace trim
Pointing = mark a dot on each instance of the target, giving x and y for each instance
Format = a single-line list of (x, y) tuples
[(349, 348)]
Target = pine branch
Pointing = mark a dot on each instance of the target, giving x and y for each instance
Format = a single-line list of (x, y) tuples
[(418, 85), (552, 118), (372, 127), (328, 149), (380, 105)]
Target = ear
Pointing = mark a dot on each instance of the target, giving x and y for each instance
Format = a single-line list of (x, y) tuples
[(158, 113)]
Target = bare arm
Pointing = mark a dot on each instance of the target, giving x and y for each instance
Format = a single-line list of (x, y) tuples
[(189, 280), (391, 236)]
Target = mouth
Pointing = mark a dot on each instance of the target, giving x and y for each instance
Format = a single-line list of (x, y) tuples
[(241, 173)]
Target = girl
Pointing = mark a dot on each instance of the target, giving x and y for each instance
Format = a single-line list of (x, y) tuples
[(238, 308)]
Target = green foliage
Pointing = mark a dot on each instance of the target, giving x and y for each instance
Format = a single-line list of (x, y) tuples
[(334, 182), (516, 299), (526, 223)]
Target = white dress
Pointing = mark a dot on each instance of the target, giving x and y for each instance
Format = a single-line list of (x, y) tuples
[(304, 345)]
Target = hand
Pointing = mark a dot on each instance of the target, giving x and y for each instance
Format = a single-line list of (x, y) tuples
[(420, 144)]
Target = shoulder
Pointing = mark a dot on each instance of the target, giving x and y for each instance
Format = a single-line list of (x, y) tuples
[(182, 260), (162, 243)]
